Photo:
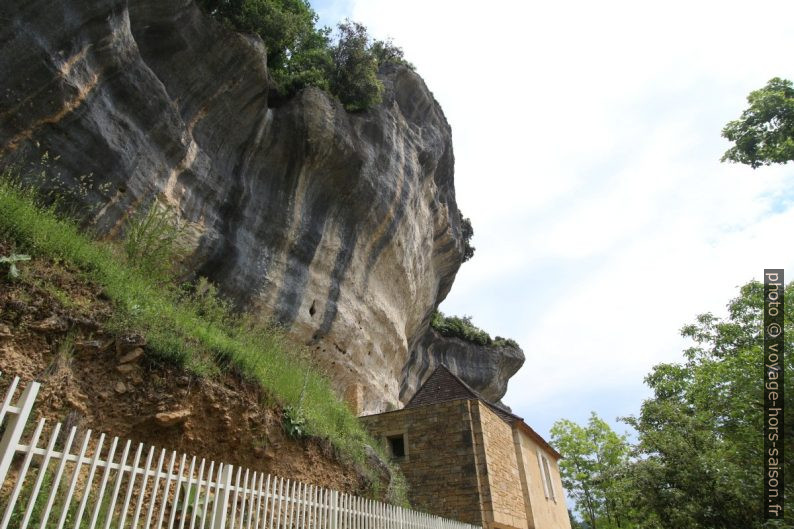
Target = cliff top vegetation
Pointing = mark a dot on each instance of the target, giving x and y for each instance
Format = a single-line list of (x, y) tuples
[(463, 328), (300, 53)]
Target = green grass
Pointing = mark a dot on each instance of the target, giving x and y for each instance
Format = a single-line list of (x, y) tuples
[(197, 332)]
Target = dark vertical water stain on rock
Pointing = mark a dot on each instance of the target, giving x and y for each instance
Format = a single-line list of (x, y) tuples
[(348, 236)]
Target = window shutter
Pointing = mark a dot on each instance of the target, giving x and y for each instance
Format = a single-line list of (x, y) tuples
[(548, 478), (543, 474)]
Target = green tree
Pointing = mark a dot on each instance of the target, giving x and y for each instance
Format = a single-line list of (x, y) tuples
[(468, 233), (298, 52), (700, 445), (386, 52), (576, 523), (592, 470), (764, 134), (354, 77)]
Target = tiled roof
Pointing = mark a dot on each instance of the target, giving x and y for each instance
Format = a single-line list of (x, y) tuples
[(443, 386)]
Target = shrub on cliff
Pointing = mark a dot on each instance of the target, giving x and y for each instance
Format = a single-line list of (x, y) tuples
[(463, 328), (354, 77), (468, 233), (300, 54), (287, 28)]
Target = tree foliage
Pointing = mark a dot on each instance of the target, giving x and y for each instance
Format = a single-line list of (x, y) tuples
[(698, 459), (764, 134), (700, 451), (301, 54), (354, 77), (468, 233), (593, 470)]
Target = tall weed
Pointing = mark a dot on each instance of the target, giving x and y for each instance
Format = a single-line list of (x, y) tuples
[(152, 241)]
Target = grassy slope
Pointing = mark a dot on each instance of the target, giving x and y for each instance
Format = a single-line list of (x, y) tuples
[(179, 329)]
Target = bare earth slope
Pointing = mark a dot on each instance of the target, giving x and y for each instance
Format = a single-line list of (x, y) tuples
[(53, 329)]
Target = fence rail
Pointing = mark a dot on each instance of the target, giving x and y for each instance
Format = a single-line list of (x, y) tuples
[(92, 482)]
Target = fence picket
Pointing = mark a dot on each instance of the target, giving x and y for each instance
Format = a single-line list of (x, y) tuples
[(324, 524), (7, 401), (208, 488), (243, 500), (273, 504), (267, 503), (58, 475), (75, 476), (292, 503), (130, 484), (90, 480), (177, 490), (186, 500), (103, 484), (304, 505), (139, 503), (158, 475), (219, 517), (258, 501), (197, 495), (34, 442), (281, 493), (16, 425), (234, 500)]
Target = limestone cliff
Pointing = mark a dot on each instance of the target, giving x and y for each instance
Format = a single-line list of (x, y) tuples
[(486, 368), (342, 226)]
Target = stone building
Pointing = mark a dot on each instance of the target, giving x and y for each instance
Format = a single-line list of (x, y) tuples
[(467, 459)]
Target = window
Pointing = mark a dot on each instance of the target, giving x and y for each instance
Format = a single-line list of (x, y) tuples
[(545, 476), (397, 446)]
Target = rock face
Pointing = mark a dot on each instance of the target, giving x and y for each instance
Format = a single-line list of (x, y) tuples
[(341, 226), (485, 368)]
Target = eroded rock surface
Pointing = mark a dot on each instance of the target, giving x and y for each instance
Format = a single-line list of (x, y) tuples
[(342, 226), (486, 369)]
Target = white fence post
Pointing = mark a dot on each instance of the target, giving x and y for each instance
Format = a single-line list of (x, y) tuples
[(222, 498), (334, 509), (15, 427)]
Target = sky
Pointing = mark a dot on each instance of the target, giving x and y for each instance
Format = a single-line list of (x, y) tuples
[(587, 145)]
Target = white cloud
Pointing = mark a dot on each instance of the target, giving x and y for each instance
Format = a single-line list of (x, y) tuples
[(587, 148)]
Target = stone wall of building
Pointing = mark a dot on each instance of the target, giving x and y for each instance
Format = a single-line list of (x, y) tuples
[(462, 461), (440, 463), (504, 501), (544, 512)]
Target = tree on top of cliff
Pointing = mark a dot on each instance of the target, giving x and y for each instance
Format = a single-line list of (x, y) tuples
[(764, 134), (468, 233), (300, 54), (354, 77), (297, 51)]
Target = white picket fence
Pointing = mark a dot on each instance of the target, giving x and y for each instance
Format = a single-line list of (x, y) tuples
[(92, 484)]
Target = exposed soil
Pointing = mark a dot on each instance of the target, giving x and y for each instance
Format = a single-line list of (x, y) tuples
[(51, 330)]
